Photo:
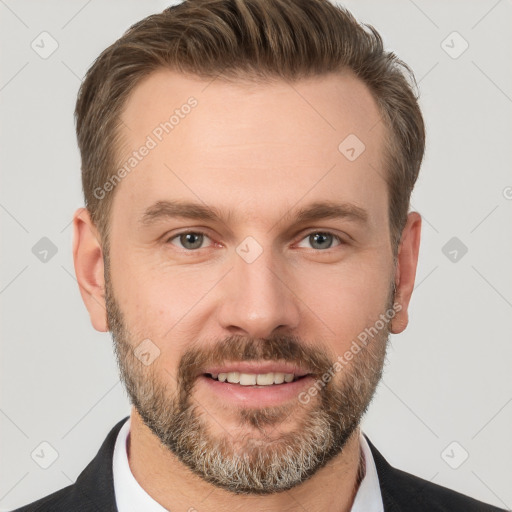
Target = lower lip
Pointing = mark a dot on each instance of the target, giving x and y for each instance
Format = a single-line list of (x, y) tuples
[(257, 396)]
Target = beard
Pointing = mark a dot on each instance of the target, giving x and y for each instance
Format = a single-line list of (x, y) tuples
[(263, 459)]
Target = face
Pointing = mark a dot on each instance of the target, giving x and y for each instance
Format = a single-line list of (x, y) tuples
[(248, 257)]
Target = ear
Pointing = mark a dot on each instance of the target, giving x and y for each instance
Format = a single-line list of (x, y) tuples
[(88, 260), (407, 261)]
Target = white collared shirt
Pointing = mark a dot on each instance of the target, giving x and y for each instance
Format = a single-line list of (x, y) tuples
[(131, 497)]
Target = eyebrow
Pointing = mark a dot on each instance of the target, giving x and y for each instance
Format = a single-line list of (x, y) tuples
[(163, 210)]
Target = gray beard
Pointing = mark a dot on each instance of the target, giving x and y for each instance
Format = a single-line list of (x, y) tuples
[(261, 464), (270, 461)]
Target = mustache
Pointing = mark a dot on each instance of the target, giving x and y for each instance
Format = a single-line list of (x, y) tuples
[(280, 348)]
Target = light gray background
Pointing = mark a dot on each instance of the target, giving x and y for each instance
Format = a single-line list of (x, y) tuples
[(449, 375)]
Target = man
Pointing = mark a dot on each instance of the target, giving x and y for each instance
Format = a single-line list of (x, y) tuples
[(247, 168)]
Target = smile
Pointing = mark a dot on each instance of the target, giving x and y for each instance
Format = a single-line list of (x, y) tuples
[(252, 379)]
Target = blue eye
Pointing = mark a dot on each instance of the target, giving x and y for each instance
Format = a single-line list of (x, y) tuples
[(322, 240), (193, 240), (190, 240)]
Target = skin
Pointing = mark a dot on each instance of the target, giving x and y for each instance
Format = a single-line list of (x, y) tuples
[(260, 152)]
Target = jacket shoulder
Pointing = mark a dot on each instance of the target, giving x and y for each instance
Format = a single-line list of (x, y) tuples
[(433, 497), (59, 500), (402, 491)]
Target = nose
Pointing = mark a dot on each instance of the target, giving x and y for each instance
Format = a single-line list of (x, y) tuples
[(258, 298)]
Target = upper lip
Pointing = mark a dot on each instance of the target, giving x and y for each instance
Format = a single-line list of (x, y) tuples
[(253, 367)]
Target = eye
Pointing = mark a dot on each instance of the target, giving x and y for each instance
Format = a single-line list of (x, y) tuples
[(189, 240), (322, 239), (193, 240)]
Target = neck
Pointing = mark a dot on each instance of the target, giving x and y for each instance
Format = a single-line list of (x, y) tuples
[(158, 471)]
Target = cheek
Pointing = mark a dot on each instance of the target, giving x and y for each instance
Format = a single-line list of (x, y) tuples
[(160, 302), (345, 301)]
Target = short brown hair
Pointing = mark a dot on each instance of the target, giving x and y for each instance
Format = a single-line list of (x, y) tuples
[(258, 40)]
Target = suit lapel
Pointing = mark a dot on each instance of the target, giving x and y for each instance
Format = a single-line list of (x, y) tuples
[(94, 487), (401, 491)]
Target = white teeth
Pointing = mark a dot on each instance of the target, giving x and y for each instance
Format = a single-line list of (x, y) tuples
[(251, 379), (234, 377), (265, 379), (279, 378), (247, 379)]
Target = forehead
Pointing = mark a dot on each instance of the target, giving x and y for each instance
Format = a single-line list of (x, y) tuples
[(253, 148)]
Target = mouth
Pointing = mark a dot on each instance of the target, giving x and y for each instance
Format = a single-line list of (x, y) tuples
[(254, 384), (256, 379), (254, 373)]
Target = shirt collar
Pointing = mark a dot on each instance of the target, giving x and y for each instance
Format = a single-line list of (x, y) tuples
[(368, 497), (131, 497)]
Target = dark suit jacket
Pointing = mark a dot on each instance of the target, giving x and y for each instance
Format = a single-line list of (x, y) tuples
[(93, 490)]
